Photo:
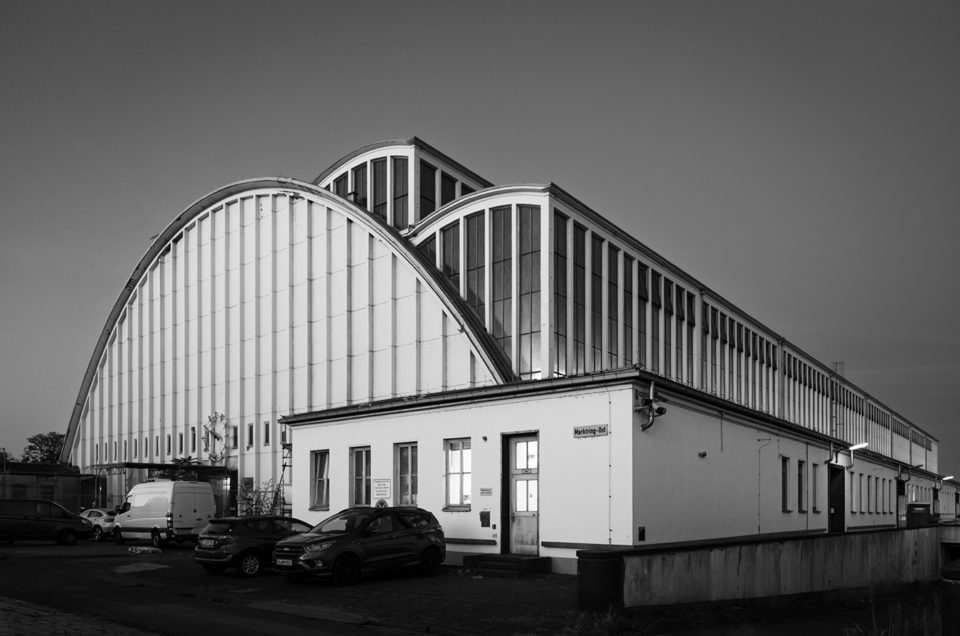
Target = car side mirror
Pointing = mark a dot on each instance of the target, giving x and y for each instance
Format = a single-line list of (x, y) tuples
[(124, 507)]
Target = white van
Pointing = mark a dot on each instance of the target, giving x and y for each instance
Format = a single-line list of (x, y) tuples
[(165, 510)]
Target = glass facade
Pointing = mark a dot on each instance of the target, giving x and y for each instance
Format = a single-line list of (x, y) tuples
[(560, 293), (428, 189), (476, 263), (502, 281), (529, 292), (450, 253), (401, 217)]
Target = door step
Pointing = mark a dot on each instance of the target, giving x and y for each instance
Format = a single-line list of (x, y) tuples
[(506, 565)]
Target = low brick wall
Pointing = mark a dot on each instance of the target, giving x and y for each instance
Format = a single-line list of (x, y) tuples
[(754, 569)]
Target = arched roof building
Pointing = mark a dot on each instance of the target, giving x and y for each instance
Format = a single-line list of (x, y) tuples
[(396, 274)]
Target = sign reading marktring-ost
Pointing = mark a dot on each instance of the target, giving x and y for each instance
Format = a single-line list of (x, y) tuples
[(594, 430)]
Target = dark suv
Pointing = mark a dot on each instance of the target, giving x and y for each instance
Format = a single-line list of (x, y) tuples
[(243, 542), (363, 539)]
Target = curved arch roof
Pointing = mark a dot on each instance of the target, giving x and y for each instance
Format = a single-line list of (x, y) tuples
[(491, 355)]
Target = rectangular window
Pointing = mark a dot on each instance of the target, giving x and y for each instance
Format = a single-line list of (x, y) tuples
[(863, 506), (193, 439), (266, 433), (785, 483), (249, 435), (656, 305), (401, 217), (643, 296), (801, 485), (560, 293), (458, 472), (613, 305), (476, 263), (723, 355), (815, 489), (360, 185), (428, 189), (679, 307), (502, 283), (360, 471), (627, 310), (529, 292), (405, 461), (853, 492), (596, 301), (450, 253), (380, 187), (691, 330), (169, 445), (870, 493), (448, 188), (429, 249), (235, 436), (180, 443), (578, 364), (340, 186), (320, 480), (667, 327)]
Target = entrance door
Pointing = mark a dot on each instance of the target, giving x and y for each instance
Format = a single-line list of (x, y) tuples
[(835, 499), (525, 495)]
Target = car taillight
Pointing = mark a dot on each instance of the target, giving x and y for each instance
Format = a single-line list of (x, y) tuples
[(169, 521)]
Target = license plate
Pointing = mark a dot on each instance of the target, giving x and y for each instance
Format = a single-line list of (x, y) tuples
[(286, 562), (207, 543)]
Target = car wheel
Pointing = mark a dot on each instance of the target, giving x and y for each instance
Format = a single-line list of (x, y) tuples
[(67, 537), (249, 564), (213, 569), (155, 539), (97, 534), (346, 570), (429, 561), (118, 537)]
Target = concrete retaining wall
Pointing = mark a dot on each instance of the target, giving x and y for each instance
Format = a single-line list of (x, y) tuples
[(796, 566), (757, 569)]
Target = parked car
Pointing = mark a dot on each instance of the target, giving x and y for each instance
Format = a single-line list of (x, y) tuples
[(362, 539), (245, 543), (41, 519), (102, 521)]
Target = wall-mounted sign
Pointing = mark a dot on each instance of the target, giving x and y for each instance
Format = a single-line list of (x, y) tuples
[(382, 489), (596, 430), (486, 492)]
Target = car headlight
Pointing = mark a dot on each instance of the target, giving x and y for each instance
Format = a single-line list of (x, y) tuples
[(315, 548)]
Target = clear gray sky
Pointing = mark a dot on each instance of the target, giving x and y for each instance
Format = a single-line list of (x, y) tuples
[(800, 158)]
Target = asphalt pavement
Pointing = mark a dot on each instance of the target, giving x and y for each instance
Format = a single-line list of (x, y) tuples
[(91, 590)]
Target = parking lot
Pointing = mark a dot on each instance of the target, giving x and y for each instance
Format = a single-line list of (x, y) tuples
[(167, 593)]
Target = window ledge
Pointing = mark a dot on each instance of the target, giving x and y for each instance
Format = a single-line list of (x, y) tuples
[(322, 508), (456, 508)]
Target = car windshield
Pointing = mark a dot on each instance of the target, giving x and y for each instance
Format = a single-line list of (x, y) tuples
[(346, 521)]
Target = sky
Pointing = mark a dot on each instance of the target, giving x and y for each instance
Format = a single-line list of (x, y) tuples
[(801, 159)]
